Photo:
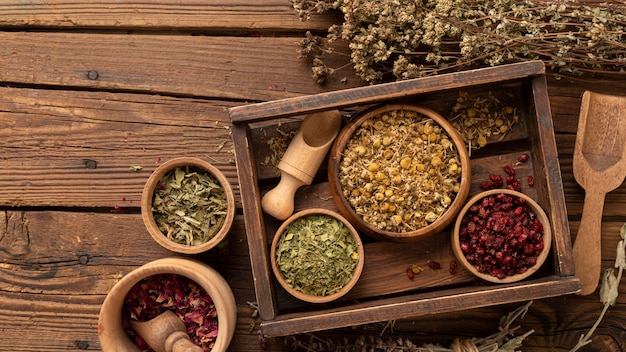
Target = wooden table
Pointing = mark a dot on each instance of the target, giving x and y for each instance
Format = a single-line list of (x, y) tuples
[(89, 89)]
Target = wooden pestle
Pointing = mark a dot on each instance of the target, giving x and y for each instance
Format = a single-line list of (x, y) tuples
[(165, 333), (301, 161)]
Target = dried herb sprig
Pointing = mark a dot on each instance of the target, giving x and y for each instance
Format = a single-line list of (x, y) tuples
[(609, 289), (189, 205), (409, 39)]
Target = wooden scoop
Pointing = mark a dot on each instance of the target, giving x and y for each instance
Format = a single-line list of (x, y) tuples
[(301, 161), (599, 167), (165, 333)]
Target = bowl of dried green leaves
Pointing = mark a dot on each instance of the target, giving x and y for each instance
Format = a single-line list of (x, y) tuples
[(317, 255), (399, 172), (188, 205)]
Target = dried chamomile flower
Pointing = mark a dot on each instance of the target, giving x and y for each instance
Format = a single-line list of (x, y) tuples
[(481, 118), (400, 171)]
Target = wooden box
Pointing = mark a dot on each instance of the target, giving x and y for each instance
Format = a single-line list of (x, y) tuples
[(384, 291)]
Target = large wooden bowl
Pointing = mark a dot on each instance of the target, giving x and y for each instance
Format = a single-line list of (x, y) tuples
[(336, 155), (148, 216), (112, 336), (539, 215), (309, 297)]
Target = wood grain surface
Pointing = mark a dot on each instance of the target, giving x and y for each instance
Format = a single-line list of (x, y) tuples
[(90, 88)]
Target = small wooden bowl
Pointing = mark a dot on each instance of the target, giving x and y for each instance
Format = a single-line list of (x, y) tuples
[(112, 336), (539, 214), (336, 155), (148, 217), (313, 298)]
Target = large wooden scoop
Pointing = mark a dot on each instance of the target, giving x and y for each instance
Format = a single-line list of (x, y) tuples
[(599, 167), (165, 333)]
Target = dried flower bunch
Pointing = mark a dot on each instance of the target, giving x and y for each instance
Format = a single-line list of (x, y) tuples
[(155, 294), (400, 171), (409, 39)]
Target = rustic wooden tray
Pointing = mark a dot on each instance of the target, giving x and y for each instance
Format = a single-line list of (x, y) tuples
[(384, 291)]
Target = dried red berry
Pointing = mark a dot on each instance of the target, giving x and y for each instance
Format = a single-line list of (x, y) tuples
[(495, 178), (453, 267), (434, 265), (509, 170), (486, 185), (531, 181), (409, 273), (522, 158)]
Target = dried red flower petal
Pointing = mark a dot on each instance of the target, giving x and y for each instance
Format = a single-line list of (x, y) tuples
[(154, 295)]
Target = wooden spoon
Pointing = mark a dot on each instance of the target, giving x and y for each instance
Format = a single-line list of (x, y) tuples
[(165, 333), (599, 167)]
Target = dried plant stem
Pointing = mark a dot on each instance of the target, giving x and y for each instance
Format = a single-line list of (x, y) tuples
[(608, 290)]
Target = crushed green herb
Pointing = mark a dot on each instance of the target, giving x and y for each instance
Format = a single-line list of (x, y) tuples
[(189, 205), (317, 255)]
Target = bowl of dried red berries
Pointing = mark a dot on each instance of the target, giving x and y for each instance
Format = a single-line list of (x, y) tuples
[(502, 236), (196, 293), (399, 172)]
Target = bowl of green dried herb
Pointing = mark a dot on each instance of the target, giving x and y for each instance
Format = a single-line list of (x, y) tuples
[(317, 255), (188, 205)]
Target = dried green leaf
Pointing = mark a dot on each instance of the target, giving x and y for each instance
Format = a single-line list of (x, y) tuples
[(609, 288), (135, 168)]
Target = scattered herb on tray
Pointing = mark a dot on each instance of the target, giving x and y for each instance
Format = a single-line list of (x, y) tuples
[(277, 147), (155, 294), (400, 171), (481, 118), (407, 39), (317, 255), (189, 205)]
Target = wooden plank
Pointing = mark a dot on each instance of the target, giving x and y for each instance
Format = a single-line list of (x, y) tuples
[(57, 268), (75, 149), (381, 92), (417, 305), (256, 235), (200, 66), (541, 133), (212, 15)]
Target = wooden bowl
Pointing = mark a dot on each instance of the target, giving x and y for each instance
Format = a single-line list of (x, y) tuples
[(539, 214), (343, 204), (148, 216), (310, 297), (112, 336)]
